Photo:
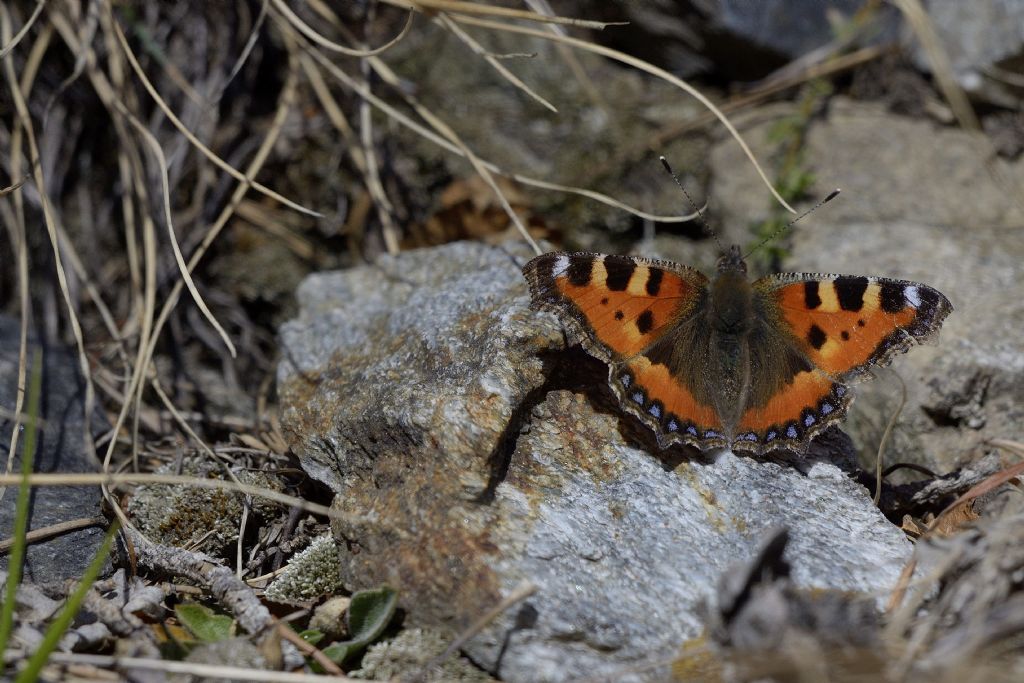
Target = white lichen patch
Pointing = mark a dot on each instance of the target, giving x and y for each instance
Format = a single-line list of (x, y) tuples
[(311, 574), (409, 652)]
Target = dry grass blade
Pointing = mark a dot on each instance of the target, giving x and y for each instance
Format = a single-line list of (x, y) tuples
[(431, 6), (885, 439), (186, 276), (389, 77), (1015, 447), (939, 61), (204, 671), (113, 480), (518, 594), (643, 66), (447, 131), (206, 151), (490, 59), (13, 42), (307, 31), (404, 120), (49, 219)]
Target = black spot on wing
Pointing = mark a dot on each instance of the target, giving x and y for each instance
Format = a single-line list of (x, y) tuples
[(816, 337), (850, 292), (892, 298), (645, 322), (579, 270), (654, 276), (619, 270), (619, 315), (811, 297)]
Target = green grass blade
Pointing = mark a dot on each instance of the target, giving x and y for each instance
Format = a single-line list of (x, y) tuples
[(59, 625), (17, 556)]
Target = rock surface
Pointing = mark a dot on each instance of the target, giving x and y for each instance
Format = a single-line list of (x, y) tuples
[(60, 448), (470, 451), (984, 40), (920, 202)]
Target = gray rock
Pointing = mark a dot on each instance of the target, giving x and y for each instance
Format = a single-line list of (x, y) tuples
[(470, 451), (786, 27), (60, 448), (984, 40), (920, 202)]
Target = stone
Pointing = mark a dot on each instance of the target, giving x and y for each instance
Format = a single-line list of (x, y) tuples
[(984, 41), (61, 447), (470, 450), (920, 202)]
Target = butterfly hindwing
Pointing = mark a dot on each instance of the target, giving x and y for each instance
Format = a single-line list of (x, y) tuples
[(754, 366), (616, 305), (840, 326), (620, 308)]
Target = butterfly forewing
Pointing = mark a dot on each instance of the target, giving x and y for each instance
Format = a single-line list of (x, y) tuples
[(616, 305), (844, 324)]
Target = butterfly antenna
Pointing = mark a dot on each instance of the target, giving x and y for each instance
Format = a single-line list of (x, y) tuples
[(693, 205), (831, 195)]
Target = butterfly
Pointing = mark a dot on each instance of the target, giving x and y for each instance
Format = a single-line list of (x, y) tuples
[(726, 362)]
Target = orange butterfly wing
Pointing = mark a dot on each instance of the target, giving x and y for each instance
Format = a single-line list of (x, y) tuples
[(842, 325), (618, 307)]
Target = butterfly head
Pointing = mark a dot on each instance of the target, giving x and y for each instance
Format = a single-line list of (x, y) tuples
[(732, 261)]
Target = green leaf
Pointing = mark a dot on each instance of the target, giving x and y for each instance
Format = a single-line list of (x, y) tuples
[(369, 612), (205, 624), (311, 635), (368, 616)]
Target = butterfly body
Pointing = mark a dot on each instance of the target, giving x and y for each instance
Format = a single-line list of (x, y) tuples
[(727, 362)]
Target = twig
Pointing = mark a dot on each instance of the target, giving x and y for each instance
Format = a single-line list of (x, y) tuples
[(518, 594), (52, 530), (198, 670)]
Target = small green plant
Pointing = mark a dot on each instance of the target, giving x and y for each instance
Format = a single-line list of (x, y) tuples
[(17, 557), (205, 624), (368, 616), (63, 620), (792, 177)]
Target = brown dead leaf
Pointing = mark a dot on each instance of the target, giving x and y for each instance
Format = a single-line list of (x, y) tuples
[(955, 519), (469, 210), (911, 528)]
